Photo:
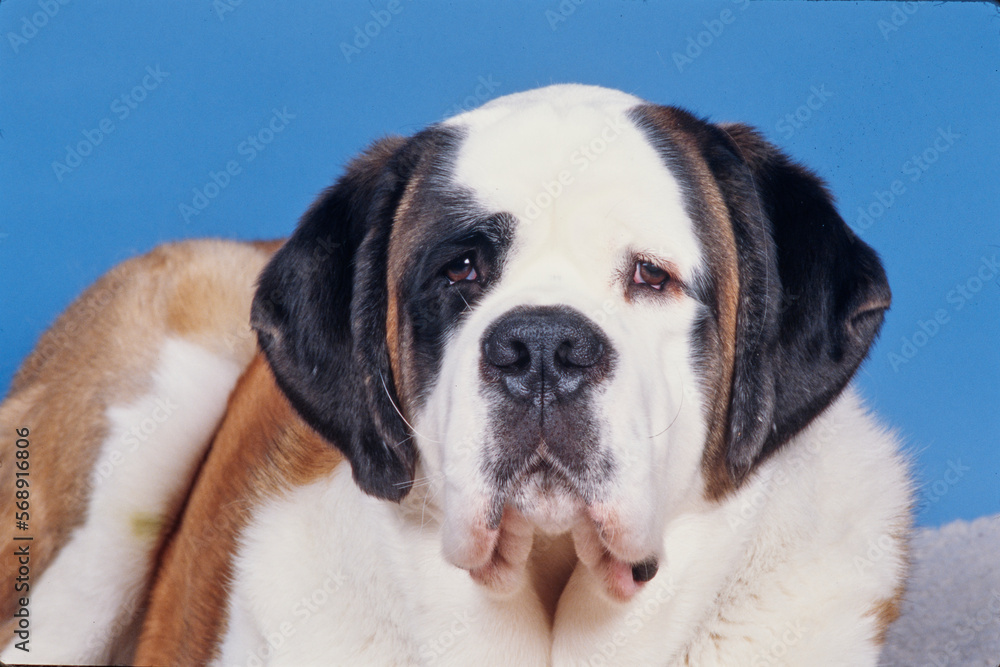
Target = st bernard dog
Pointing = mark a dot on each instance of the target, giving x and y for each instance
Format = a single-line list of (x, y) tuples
[(563, 380)]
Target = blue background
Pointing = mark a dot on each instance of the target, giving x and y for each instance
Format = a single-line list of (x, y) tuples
[(892, 78)]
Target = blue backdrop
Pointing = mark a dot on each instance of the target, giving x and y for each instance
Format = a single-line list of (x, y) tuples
[(125, 124)]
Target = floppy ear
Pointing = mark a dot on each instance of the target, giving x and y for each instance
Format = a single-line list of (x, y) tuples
[(811, 300), (319, 313)]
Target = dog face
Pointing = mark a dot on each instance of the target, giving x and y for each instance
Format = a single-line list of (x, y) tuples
[(568, 310)]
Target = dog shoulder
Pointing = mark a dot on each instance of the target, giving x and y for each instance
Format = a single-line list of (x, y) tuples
[(118, 400), (262, 450), (824, 525)]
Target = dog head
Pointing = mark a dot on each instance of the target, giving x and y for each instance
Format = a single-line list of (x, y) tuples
[(568, 310)]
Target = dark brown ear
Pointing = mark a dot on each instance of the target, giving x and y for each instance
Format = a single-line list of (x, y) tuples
[(811, 300), (320, 313)]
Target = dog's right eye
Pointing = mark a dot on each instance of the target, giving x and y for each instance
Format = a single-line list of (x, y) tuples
[(461, 269)]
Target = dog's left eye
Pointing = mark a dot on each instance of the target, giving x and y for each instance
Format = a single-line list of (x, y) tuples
[(650, 274), (461, 269)]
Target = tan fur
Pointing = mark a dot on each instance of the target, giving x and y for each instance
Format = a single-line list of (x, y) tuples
[(99, 353), (719, 245), (550, 565), (887, 610), (401, 244), (262, 448), (392, 332), (720, 248)]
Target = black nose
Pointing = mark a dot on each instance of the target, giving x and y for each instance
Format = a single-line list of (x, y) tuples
[(545, 353)]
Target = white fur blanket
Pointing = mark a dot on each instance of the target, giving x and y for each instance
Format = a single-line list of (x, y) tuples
[(951, 611)]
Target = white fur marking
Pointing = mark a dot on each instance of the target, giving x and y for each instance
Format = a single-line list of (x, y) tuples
[(144, 468), (318, 589)]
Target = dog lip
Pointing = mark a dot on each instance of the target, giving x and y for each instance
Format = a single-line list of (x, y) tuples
[(619, 576), (621, 573), (504, 571)]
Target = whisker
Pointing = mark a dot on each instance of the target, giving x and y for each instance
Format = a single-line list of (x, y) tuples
[(424, 481), (423, 506), (395, 407), (672, 420)]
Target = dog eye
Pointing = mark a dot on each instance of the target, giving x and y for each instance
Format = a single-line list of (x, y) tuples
[(650, 274), (461, 269)]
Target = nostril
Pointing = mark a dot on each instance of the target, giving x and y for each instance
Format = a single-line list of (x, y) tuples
[(564, 353), (510, 355), (582, 353), (521, 355)]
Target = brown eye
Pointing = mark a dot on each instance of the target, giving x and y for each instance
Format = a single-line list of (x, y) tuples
[(461, 269), (650, 274)]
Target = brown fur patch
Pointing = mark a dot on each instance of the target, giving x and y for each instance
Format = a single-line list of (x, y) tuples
[(718, 244), (99, 353), (887, 610), (392, 333), (261, 449), (552, 561), (270, 246), (401, 243)]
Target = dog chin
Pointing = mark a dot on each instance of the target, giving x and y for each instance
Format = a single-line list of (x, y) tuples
[(549, 504), (497, 557)]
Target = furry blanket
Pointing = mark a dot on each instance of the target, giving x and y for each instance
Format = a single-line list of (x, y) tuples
[(951, 611)]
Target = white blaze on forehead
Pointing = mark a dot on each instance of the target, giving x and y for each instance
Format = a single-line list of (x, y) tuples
[(580, 177), (589, 193), (561, 96)]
